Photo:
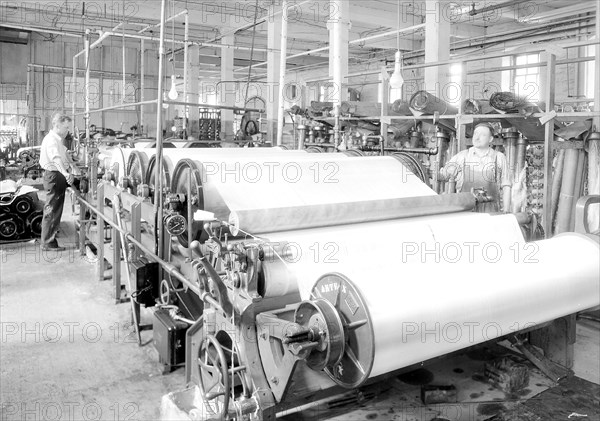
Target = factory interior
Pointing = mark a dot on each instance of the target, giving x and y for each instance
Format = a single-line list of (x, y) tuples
[(248, 185)]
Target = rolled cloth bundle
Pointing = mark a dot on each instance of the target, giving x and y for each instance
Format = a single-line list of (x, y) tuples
[(509, 102), (426, 103), (401, 107), (477, 106)]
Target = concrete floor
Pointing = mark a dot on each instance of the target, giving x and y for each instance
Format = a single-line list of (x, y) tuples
[(67, 352)]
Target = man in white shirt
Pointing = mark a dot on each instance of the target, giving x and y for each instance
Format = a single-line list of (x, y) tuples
[(56, 163), (481, 167)]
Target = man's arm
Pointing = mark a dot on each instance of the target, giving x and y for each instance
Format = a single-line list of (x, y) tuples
[(452, 167), (72, 164)]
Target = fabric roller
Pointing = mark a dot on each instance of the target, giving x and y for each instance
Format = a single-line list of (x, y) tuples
[(434, 285)]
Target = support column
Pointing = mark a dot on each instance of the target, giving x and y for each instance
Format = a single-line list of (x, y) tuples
[(273, 58), (142, 111), (228, 91), (597, 70), (549, 138), (437, 47), (594, 145), (193, 90), (339, 29)]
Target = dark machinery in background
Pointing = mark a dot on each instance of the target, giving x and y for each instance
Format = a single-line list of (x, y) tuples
[(426, 141), (20, 213)]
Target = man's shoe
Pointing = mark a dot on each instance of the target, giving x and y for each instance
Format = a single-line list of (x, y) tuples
[(53, 247)]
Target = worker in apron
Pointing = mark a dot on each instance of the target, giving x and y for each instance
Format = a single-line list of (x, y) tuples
[(482, 171)]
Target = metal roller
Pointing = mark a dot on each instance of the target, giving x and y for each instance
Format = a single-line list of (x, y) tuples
[(212, 168), (496, 285), (307, 193)]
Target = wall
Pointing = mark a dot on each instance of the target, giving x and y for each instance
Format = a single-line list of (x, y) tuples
[(51, 84)]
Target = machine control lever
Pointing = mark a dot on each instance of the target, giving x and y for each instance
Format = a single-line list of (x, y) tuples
[(221, 289)]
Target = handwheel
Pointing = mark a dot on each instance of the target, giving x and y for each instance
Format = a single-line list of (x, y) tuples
[(165, 292), (214, 376)]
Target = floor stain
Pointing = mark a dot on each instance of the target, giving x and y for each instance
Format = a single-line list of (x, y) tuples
[(490, 408), (417, 377)]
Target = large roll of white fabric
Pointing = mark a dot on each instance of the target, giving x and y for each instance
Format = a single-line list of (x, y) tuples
[(438, 284), (292, 192)]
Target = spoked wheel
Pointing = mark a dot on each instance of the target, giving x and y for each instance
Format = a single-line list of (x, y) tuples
[(136, 169), (214, 376), (167, 170), (219, 359), (187, 176)]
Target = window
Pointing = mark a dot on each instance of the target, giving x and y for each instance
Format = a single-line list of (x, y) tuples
[(590, 73), (453, 92), (395, 93), (527, 79), (506, 74), (114, 93), (79, 87)]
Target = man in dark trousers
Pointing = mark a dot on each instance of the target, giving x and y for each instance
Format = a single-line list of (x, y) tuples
[(56, 163)]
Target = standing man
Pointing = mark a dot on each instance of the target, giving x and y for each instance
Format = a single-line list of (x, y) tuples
[(56, 163), (481, 167)]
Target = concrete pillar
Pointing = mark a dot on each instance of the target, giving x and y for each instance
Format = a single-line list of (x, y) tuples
[(437, 47), (597, 70), (339, 29), (193, 89), (228, 90), (273, 58)]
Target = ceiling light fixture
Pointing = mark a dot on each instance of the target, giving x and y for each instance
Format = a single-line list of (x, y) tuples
[(396, 81), (173, 94)]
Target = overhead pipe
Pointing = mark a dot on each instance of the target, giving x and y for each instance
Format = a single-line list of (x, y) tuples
[(116, 107), (86, 90), (142, 84), (459, 60), (258, 22), (282, 67), (63, 68), (186, 36), (470, 72), (356, 41), (474, 12), (218, 107), (170, 18), (73, 89), (123, 67), (159, 190), (42, 29), (101, 38)]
